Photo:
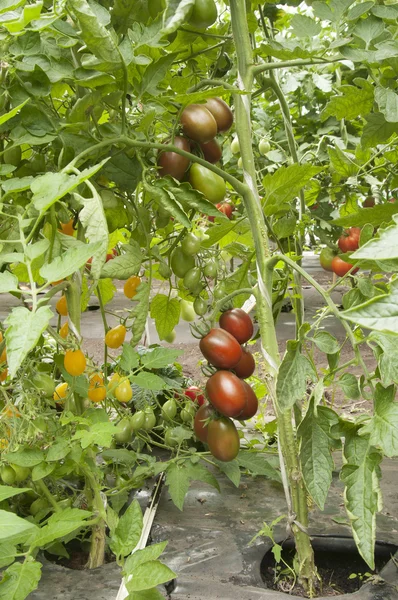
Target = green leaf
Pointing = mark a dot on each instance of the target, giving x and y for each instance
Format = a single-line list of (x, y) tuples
[(304, 26), (59, 525), (8, 283), (70, 261), (376, 215), (139, 557), (285, 226), (218, 232), (198, 472), (93, 219), (125, 265), (58, 451), (316, 451), (129, 359), (42, 470), (326, 342), (293, 375), (120, 456), (353, 102), (139, 312), (7, 555), (23, 332), (27, 457), (383, 426), (128, 532), (388, 103), (148, 575), (11, 525), (155, 73), (350, 386), (157, 358), (342, 163), (369, 29), (177, 480), (231, 470), (7, 491), (379, 313), (191, 198), (176, 14), (166, 312), (285, 184), (148, 381), (377, 130), (100, 434), (151, 594), (257, 465), (384, 247), (388, 359), (20, 579), (166, 199), (9, 115)]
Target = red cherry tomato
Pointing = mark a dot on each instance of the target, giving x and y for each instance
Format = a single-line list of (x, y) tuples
[(226, 208), (340, 267), (238, 323), (204, 413), (349, 241), (246, 366), (223, 439), (369, 202), (227, 393), (221, 349), (251, 405), (195, 394)]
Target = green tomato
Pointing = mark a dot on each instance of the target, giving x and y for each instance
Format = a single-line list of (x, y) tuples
[(162, 219), (200, 306), (37, 506), (188, 413), (169, 409), (170, 337), (137, 420), (219, 291), (235, 146), (21, 473), (12, 155), (8, 475), (210, 184), (164, 270), (44, 383), (240, 163), (169, 439), (197, 289), (150, 420), (192, 278), (181, 262), (203, 15), (264, 146), (211, 269), (124, 431), (38, 163), (190, 244), (187, 311)]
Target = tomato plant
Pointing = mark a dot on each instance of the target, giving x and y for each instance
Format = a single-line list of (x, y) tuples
[(221, 349)]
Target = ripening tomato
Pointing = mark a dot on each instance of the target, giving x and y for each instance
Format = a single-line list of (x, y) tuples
[(181, 263), (210, 184), (341, 267), (221, 112), (113, 383), (74, 362), (201, 429), (325, 258), (211, 151), (198, 123), (124, 432), (96, 390), (64, 331), (171, 163), (238, 323), (115, 336), (246, 366), (195, 394), (226, 208), (349, 241), (203, 14), (124, 391), (3, 374), (369, 202), (7, 474), (131, 285), (221, 349), (67, 228), (62, 307), (223, 439), (251, 405), (170, 337), (61, 391), (226, 393)]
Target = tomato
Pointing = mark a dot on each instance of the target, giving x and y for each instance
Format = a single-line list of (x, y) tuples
[(124, 432), (221, 349), (238, 323), (67, 228), (204, 14), (341, 267), (170, 337), (325, 258), (3, 356), (74, 362), (113, 383), (169, 438), (223, 439), (200, 306), (131, 285), (12, 155), (201, 429), (169, 409), (171, 163), (7, 475), (264, 146), (150, 419), (61, 391), (111, 256), (246, 366), (137, 420), (212, 151), (226, 393), (349, 241), (211, 268), (61, 307), (240, 163), (164, 270), (115, 336), (124, 391), (251, 405), (369, 202), (181, 263), (221, 112), (97, 390), (44, 383), (226, 208), (198, 123), (21, 473), (192, 278), (3, 374), (188, 413), (187, 311), (190, 245), (235, 146), (37, 506), (64, 331), (195, 394), (210, 184)]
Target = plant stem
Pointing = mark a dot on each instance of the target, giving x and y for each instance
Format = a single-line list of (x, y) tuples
[(48, 495)]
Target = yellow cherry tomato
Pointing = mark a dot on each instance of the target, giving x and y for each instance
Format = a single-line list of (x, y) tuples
[(113, 383), (3, 443), (63, 332), (3, 375), (60, 392), (115, 336), (11, 412), (61, 307), (74, 362), (131, 285), (67, 228), (124, 391), (96, 390)]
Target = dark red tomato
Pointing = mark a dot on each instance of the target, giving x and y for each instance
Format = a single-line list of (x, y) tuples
[(195, 394), (349, 241), (211, 151), (198, 123), (325, 258), (226, 393), (369, 202), (340, 267), (392, 200), (171, 163), (111, 255), (204, 413), (221, 349), (251, 405), (223, 439), (221, 112), (246, 365), (226, 208), (238, 323)]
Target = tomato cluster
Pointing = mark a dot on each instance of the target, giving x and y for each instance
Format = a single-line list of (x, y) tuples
[(228, 394), (347, 242)]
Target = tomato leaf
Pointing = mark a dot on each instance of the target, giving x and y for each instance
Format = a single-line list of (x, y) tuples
[(166, 312), (379, 313), (8, 283), (139, 312), (7, 491), (388, 358), (285, 184), (149, 574), (125, 265), (230, 469), (128, 531), (293, 375), (11, 525), (383, 426), (7, 555), (157, 358), (384, 247), (20, 579), (70, 261), (257, 464), (42, 470), (326, 342), (9, 115), (165, 198), (139, 557), (351, 103), (176, 14), (350, 386), (148, 381), (177, 480), (93, 219), (100, 434), (26, 457), (59, 525)]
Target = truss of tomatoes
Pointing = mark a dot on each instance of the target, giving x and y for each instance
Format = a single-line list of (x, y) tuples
[(230, 397)]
